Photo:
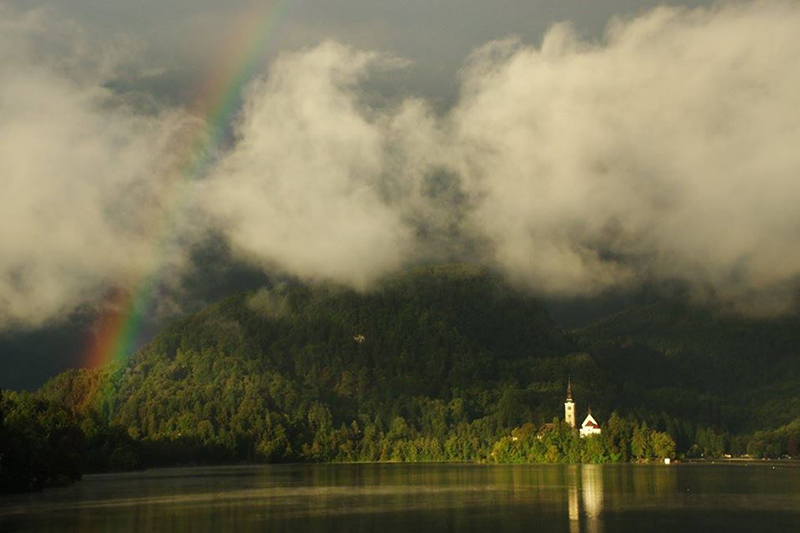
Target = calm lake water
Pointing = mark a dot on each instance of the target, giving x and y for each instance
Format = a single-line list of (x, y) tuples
[(421, 497)]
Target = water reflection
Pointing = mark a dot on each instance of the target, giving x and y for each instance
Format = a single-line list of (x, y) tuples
[(585, 498), (400, 497), (573, 502), (592, 492)]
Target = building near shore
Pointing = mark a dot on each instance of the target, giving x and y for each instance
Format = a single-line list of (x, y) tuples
[(590, 425)]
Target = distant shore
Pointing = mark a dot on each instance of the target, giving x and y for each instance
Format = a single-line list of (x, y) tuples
[(742, 460)]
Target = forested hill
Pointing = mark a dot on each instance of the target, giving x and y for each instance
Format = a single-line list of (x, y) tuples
[(728, 371), (260, 375), (436, 364)]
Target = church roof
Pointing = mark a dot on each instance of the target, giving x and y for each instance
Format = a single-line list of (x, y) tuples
[(589, 421)]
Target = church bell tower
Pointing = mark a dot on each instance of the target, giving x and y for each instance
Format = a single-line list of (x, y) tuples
[(569, 406)]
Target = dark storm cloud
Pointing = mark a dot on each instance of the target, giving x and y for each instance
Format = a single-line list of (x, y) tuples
[(186, 35)]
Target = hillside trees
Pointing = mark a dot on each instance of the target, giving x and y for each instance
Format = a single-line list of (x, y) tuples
[(438, 364), (41, 443)]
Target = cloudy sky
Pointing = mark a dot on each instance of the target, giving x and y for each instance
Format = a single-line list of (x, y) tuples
[(577, 147), (437, 35)]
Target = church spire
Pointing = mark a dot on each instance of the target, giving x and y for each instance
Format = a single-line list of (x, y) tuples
[(569, 406)]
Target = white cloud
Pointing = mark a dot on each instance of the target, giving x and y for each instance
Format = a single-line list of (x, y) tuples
[(80, 198), (669, 150), (666, 150), (301, 190)]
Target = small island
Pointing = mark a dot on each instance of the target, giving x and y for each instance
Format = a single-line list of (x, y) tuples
[(624, 440)]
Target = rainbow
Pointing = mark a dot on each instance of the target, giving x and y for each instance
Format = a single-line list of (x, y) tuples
[(119, 329)]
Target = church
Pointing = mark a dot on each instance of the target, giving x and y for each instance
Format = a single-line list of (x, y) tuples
[(589, 426)]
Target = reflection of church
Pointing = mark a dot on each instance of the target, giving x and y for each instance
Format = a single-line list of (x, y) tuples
[(585, 498), (589, 426)]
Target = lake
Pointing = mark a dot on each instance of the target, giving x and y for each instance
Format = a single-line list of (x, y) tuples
[(421, 497)]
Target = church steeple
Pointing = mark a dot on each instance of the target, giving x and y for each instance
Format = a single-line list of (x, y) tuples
[(569, 406)]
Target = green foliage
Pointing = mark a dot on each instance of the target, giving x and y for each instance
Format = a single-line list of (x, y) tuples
[(557, 442), (427, 368), (780, 442), (733, 373), (40, 443), (439, 364)]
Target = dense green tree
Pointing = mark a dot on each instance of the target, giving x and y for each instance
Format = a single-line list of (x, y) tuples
[(558, 443), (41, 443)]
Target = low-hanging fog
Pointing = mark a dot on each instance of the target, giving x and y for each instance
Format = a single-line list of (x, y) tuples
[(667, 150)]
